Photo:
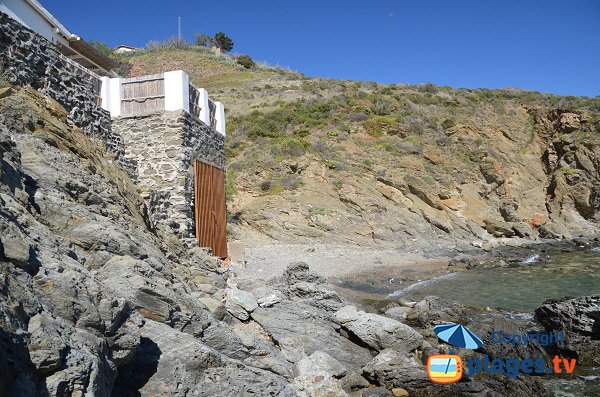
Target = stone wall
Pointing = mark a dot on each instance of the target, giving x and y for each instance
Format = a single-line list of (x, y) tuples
[(160, 148), (28, 59)]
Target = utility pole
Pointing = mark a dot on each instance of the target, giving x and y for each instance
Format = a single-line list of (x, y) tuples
[(179, 27)]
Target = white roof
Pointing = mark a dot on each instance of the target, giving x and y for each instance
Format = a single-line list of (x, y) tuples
[(50, 18)]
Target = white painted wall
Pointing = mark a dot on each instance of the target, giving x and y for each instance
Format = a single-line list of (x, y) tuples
[(177, 94), (110, 92), (25, 14), (177, 90), (220, 118), (204, 109)]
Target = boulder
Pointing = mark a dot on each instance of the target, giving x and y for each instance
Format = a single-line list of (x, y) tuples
[(435, 310), (508, 326), (393, 369), (300, 329), (397, 313), (316, 295), (378, 332), (163, 349), (298, 272), (579, 319), (319, 363), (240, 303)]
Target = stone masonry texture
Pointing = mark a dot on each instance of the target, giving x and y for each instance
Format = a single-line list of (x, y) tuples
[(161, 147), (28, 59)]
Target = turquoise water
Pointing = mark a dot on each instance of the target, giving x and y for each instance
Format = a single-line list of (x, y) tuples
[(521, 288)]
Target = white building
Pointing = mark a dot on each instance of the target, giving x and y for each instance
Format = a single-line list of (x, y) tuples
[(123, 49), (33, 15)]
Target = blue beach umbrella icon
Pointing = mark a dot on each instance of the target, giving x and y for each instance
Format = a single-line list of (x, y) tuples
[(458, 335)]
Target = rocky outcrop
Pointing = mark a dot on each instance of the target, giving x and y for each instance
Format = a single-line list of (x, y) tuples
[(579, 320), (92, 301), (435, 310), (378, 332)]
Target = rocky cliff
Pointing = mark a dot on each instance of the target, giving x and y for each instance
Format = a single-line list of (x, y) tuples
[(396, 165), (94, 302), (528, 172)]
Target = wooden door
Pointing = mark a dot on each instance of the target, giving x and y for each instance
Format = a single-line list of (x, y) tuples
[(209, 203)]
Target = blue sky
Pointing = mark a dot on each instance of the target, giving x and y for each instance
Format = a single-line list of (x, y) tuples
[(548, 46)]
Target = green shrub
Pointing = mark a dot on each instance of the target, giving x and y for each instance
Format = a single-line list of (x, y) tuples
[(381, 125), (246, 61), (265, 185), (448, 123), (429, 88), (103, 48), (301, 132), (381, 107), (230, 189), (316, 211), (289, 146), (173, 43)]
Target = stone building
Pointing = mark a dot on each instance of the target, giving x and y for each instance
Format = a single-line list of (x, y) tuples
[(167, 133), (31, 14), (166, 124)]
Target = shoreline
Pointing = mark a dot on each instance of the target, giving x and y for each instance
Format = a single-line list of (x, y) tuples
[(364, 275)]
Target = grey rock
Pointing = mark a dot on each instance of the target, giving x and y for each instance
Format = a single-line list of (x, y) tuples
[(166, 362), (232, 381), (216, 307), (316, 295), (354, 381), (376, 392), (319, 363), (300, 272), (47, 348), (222, 338), (240, 303), (397, 313), (393, 369), (300, 329), (318, 385), (531, 350), (434, 310), (578, 319), (377, 331), (268, 300)]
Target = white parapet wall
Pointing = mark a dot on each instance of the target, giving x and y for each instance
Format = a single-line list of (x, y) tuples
[(176, 97), (220, 118), (177, 90), (110, 93), (204, 108)]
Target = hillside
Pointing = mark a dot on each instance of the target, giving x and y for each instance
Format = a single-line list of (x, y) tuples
[(402, 166)]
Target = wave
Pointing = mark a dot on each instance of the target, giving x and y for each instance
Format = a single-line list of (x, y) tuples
[(531, 259), (420, 284)]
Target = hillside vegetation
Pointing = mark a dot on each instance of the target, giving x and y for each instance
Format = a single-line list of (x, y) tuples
[(314, 159)]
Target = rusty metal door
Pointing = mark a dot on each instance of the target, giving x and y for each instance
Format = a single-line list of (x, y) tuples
[(209, 203)]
